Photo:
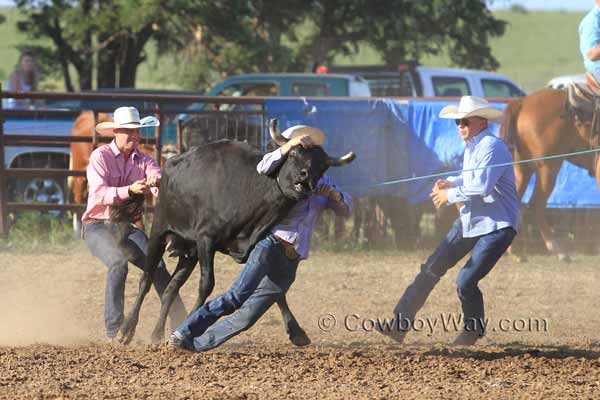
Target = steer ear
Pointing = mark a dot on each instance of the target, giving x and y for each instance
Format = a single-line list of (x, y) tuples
[(340, 161), (275, 133)]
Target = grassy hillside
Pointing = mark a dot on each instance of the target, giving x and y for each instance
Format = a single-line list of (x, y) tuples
[(536, 47)]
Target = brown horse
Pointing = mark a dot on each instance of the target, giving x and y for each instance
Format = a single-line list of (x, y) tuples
[(539, 125)]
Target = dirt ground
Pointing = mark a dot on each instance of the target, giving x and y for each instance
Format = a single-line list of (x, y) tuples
[(543, 334)]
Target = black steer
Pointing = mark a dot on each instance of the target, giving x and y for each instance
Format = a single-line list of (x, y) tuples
[(212, 199)]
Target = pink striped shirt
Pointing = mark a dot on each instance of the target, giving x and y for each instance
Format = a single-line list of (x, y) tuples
[(109, 175)]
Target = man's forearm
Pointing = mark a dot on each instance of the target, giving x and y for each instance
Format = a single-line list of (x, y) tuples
[(594, 53)]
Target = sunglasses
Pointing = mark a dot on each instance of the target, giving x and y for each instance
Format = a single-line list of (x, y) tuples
[(461, 122)]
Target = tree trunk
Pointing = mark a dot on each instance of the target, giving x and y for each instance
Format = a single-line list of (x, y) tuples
[(107, 65)]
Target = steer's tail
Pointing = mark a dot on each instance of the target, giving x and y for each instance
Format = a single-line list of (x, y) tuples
[(508, 130)]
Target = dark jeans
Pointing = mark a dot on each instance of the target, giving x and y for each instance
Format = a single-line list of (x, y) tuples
[(266, 277), (487, 250), (102, 241)]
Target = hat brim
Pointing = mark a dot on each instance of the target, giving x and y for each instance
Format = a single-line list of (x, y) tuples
[(490, 113), (316, 135), (108, 127)]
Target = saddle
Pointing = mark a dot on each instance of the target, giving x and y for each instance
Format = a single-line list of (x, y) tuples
[(583, 102)]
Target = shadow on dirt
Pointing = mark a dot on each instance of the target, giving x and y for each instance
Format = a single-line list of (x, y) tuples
[(516, 349)]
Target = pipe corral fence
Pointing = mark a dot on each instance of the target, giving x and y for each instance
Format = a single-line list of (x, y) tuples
[(238, 118), (213, 118)]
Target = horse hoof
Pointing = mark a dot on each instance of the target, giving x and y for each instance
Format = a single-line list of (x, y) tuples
[(562, 257), (300, 339)]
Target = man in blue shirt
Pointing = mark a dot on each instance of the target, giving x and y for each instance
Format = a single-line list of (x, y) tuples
[(487, 224), (589, 44)]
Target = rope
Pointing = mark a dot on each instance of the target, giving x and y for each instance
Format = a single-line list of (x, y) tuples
[(417, 178)]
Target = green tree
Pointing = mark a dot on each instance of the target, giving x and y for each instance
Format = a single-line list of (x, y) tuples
[(222, 37), (266, 35), (102, 37)]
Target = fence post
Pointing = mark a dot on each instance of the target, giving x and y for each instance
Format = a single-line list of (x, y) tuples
[(158, 136), (179, 135), (3, 194), (94, 133)]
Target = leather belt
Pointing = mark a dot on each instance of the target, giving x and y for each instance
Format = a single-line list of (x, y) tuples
[(94, 221), (288, 249)]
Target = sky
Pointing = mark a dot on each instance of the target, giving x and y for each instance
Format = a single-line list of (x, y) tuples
[(570, 5)]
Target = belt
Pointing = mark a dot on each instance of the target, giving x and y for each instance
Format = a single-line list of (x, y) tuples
[(288, 249), (93, 221)]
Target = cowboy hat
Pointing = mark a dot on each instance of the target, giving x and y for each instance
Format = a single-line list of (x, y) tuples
[(317, 136), (472, 106), (126, 117)]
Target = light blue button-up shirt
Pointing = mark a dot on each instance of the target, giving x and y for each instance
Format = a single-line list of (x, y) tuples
[(489, 195), (589, 37), (297, 226)]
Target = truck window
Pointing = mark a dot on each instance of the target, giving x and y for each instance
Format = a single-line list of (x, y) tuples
[(246, 89), (310, 89), (446, 86), (497, 88), (250, 89)]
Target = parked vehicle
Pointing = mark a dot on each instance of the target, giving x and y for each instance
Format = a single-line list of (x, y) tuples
[(561, 82), (292, 84), (249, 127), (54, 190), (412, 80)]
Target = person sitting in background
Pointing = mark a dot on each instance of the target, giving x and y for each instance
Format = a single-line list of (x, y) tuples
[(24, 79)]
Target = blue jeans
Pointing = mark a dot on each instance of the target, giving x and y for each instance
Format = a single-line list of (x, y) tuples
[(487, 250), (115, 253), (266, 277)]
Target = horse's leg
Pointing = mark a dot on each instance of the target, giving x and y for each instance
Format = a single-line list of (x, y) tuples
[(544, 184), (522, 176), (184, 268), (295, 333), (597, 169), (206, 256)]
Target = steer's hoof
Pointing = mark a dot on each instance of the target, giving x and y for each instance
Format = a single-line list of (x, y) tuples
[(563, 257), (126, 334), (300, 339), (157, 337)]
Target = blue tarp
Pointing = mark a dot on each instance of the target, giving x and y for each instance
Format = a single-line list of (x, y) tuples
[(376, 130), (398, 139), (574, 186)]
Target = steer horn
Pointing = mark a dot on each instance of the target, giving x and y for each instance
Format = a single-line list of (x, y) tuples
[(275, 133), (339, 161)]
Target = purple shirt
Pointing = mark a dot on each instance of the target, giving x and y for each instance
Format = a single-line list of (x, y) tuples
[(297, 226)]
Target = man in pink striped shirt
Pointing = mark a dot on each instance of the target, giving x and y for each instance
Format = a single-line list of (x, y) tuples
[(116, 172)]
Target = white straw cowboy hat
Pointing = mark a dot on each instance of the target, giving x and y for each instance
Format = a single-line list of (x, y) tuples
[(472, 106), (126, 117), (317, 136)]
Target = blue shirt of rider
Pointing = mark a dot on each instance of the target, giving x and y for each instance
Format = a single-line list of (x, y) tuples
[(589, 37)]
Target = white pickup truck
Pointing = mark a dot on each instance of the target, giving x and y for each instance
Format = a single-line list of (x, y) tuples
[(411, 80)]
